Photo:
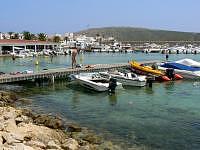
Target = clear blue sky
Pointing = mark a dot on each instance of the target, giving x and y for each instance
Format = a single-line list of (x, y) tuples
[(59, 16)]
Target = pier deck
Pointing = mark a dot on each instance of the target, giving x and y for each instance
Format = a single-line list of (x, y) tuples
[(62, 72)]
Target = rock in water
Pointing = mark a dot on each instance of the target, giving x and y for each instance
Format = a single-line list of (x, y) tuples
[(49, 121), (74, 128)]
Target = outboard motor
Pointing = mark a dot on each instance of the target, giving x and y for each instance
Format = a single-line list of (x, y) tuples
[(170, 73), (112, 85), (150, 81), (154, 66)]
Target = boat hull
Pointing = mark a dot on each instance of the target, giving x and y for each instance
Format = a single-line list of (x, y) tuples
[(129, 82), (95, 83), (138, 81), (92, 85)]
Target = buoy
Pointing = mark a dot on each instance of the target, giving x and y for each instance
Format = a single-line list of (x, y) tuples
[(178, 76), (165, 78), (36, 63)]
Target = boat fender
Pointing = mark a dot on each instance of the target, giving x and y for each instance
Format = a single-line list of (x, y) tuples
[(36, 62), (112, 85), (178, 76), (165, 78)]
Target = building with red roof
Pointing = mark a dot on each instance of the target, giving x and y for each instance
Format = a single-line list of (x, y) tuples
[(8, 45)]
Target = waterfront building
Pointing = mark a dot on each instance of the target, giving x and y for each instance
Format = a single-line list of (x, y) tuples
[(8, 46), (1, 36)]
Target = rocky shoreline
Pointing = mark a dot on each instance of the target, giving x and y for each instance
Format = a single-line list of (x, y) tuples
[(20, 129)]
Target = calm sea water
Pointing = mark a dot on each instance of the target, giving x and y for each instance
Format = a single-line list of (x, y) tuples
[(164, 117)]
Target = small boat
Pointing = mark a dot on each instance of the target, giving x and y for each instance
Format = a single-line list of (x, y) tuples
[(187, 72), (95, 82), (130, 79), (159, 75)]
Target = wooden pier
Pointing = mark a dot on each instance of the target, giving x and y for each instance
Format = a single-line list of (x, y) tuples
[(62, 72)]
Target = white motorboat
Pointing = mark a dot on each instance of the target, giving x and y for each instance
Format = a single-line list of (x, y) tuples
[(130, 79), (95, 82)]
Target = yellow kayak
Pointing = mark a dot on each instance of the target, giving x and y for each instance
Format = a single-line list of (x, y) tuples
[(146, 69)]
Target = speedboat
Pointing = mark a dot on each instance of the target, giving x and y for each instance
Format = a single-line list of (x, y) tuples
[(96, 82), (130, 79), (187, 72)]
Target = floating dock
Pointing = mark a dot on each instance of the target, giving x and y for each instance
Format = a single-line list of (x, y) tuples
[(63, 72)]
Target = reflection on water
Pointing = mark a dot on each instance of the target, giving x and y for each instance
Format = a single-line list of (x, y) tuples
[(112, 99), (196, 84), (75, 98)]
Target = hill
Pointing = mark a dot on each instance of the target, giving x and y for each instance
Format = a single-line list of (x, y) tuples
[(137, 34)]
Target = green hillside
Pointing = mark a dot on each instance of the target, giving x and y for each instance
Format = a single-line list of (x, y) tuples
[(137, 34)]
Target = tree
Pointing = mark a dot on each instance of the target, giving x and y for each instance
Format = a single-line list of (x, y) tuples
[(16, 36), (42, 36), (10, 34), (33, 36), (56, 39), (27, 35)]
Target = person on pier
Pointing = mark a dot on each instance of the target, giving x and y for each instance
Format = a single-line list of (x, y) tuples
[(74, 53)]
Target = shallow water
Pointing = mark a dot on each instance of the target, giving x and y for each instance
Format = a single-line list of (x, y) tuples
[(164, 117)]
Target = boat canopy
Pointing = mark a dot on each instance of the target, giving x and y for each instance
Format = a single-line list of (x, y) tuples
[(179, 66), (188, 62)]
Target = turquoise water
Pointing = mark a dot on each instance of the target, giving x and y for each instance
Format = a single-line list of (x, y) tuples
[(20, 64), (164, 117)]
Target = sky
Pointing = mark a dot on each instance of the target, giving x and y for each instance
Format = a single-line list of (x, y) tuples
[(60, 16)]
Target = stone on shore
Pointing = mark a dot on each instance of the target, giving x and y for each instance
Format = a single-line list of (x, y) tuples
[(17, 146), (20, 129), (52, 145), (11, 138), (70, 144), (23, 119), (7, 98), (49, 121), (36, 144)]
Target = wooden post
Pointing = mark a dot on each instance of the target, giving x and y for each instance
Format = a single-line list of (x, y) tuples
[(44, 47), (0, 50), (35, 48), (52, 79), (13, 49)]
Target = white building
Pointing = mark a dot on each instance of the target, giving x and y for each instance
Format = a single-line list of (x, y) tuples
[(1, 36)]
